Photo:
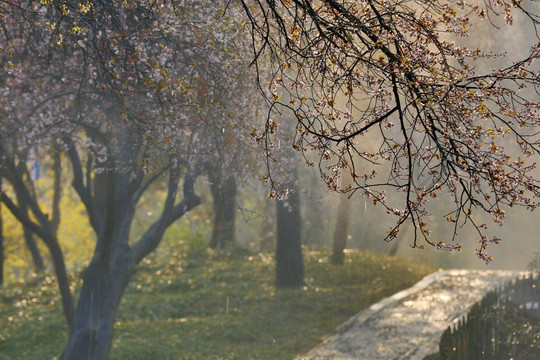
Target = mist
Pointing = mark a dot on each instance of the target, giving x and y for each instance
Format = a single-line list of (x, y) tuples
[(369, 224)]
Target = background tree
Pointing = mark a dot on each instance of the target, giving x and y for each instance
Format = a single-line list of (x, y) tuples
[(340, 231), (224, 195), (32, 246), (284, 187), (285, 191), (451, 122), (341, 227), (289, 259)]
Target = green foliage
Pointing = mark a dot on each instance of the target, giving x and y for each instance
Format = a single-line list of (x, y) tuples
[(189, 302)]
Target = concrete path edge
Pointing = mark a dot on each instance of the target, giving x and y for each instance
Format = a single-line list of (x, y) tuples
[(365, 314)]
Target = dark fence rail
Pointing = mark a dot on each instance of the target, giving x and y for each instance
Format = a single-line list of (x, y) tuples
[(505, 324)]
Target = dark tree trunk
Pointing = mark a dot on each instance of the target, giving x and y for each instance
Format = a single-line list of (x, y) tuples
[(32, 246), (340, 231), (106, 278), (105, 281), (62, 277), (51, 241), (94, 317), (28, 234), (224, 195), (289, 260)]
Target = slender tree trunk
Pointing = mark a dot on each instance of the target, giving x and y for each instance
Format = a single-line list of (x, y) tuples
[(32, 247), (340, 231), (57, 189), (289, 260), (224, 195), (62, 278), (54, 246), (29, 236)]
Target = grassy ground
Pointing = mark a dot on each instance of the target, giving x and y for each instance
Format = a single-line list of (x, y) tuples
[(205, 305)]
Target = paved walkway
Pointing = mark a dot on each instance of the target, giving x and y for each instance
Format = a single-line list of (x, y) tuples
[(409, 324)]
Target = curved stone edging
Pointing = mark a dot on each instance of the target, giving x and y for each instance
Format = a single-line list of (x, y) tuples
[(408, 324)]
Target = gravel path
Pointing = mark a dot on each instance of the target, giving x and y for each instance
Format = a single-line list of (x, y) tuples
[(409, 324)]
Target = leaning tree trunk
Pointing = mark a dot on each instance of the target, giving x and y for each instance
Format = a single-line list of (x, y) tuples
[(44, 231), (340, 231), (289, 260), (224, 195)]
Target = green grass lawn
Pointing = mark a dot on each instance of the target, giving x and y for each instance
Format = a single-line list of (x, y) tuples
[(205, 305)]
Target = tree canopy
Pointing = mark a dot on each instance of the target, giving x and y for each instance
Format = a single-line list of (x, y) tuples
[(392, 94)]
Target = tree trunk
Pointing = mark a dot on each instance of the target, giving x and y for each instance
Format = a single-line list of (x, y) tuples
[(114, 261), (29, 236), (62, 278), (32, 247), (95, 314), (340, 231), (104, 284), (224, 195), (289, 260)]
